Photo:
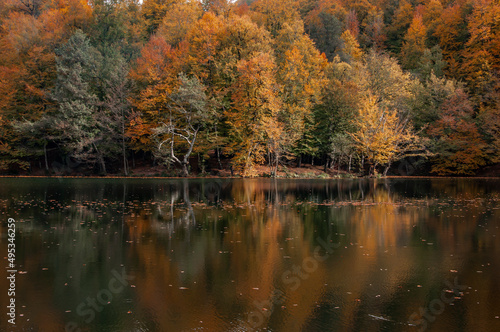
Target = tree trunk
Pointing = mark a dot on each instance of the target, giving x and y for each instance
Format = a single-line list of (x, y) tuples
[(350, 159), (185, 171), (387, 169), (277, 166), (217, 148), (103, 164), (101, 160), (185, 160), (269, 161), (46, 159), (299, 164), (124, 151)]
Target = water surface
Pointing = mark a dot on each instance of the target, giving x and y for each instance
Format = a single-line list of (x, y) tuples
[(243, 255)]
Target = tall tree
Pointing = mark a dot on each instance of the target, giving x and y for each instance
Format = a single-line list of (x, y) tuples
[(458, 144), (324, 24), (179, 21), (77, 123), (154, 11), (414, 45), (381, 136), (451, 33), (481, 55), (254, 114), (400, 23), (156, 76), (374, 32), (300, 74), (350, 49), (273, 14), (116, 108), (188, 113)]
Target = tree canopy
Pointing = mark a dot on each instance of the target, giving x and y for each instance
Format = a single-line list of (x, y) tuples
[(187, 84)]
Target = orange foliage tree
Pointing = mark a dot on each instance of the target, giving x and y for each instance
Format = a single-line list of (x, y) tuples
[(156, 76), (253, 117), (458, 144)]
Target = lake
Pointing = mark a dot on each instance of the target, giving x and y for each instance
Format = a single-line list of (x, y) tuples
[(253, 254)]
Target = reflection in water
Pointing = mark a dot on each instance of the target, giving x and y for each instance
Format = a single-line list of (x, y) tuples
[(236, 255)]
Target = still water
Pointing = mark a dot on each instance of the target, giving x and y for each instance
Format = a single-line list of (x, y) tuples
[(253, 255)]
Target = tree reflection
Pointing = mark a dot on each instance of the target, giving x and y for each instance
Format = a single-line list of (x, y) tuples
[(207, 253)]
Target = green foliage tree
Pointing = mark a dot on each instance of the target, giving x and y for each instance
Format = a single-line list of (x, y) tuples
[(77, 125), (188, 112)]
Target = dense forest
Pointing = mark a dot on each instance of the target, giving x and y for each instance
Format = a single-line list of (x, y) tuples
[(354, 85)]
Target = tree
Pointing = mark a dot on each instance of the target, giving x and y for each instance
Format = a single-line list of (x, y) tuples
[(117, 26), (382, 76), (116, 108), (154, 11), (8, 156), (350, 49), (481, 55), (204, 41), (374, 32), (459, 147), (188, 112), (325, 28), (156, 77), (334, 114), (216, 46), (30, 33), (253, 117), (414, 45), (352, 23), (274, 14), (179, 21), (431, 63), (451, 33), (400, 23), (77, 123), (489, 120), (342, 149), (300, 74), (427, 97), (381, 136), (219, 7), (361, 8), (433, 10)]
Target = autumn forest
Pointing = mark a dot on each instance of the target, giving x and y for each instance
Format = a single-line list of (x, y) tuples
[(356, 86)]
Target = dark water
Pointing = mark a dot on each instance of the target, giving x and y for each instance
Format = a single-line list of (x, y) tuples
[(242, 255)]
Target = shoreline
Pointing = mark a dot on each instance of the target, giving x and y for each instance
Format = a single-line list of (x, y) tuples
[(239, 177)]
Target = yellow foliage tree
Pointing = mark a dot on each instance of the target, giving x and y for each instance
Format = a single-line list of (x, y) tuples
[(414, 45), (300, 75), (253, 117), (351, 46), (179, 20), (381, 137)]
